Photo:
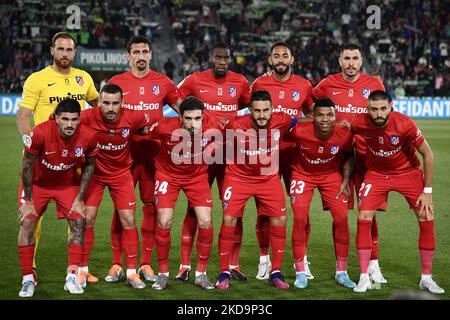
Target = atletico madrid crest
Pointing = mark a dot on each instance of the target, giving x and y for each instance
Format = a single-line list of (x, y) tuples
[(365, 93), (232, 91), (79, 80), (334, 150), (394, 140), (155, 89), (124, 132), (295, 95), (78, 151)]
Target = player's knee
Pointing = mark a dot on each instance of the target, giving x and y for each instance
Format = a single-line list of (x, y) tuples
[(229, 221), (28, 226), (278, 221), (205, 223)]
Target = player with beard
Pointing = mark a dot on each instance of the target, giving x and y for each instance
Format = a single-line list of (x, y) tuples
[(43, 90), (392, 165), (290, 94), (224, 92), (145, 91)]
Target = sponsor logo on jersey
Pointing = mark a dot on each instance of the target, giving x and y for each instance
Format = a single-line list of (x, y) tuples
[(112, 147), (57, 167), (78, 151), (295, 95), (79, 80), (334, 149), (232, 91), (394, 140), (155, 89), (365, 93), (78, 97), (125, 132)]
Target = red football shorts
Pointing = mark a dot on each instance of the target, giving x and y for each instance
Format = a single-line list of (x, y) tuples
[(167, 189), (268, 193), (144, 173), (302, 190), (373, 194), (121, 190), (62, 195)]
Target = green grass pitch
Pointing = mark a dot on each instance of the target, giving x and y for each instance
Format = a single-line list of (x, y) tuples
[(398, 229)]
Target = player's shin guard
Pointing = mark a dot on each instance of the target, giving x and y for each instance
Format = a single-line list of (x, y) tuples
[(374, 231), (148, 229), (363, 243), (278, 242), (301, 215), (341, 234), (130, 245), (204, 244), (263, 234), (234, 257), (426, 245), (75, 254), (226, 241), (116, 239), (26, 255), (163, 241), (87, 247), (187, 236)]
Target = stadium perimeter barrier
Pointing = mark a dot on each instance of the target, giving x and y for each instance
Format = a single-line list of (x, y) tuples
[(423, 107)]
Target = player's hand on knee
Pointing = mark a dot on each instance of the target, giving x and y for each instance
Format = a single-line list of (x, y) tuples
[(25, 210), (78, 207), (344, 189), (426, 210)]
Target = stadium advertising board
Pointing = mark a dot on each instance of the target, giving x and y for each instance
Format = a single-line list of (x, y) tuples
[(101, 60), (438, 108)]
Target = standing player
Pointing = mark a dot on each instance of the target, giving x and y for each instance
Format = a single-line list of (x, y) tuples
[(181, 166), (115, 127), (350, 90), (392, 165), (253, 171), (44, 89), (322, 150), (290, 94), (145, 91), (53, 150), (223, 92)]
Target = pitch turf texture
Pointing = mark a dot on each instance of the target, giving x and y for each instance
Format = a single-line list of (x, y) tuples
[(398, 252)]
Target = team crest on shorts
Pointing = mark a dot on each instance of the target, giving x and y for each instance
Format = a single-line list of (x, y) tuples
[(394, 140), (79, 80), (293, 198), (365, 93), (125, 132), (334, 149), (232, 91), (155, 89), (78, 151), (295, 95), (225, 204)]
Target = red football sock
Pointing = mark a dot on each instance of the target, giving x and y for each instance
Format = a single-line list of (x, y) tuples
[(130, 245), (374, 231), (87, 247), (204, 243), (341, 232), (278, 242), (426, 245), (187, 236), (307, 233), (263, 234), (75, 254), (226, 241), (148, 229), (26, 255), (363, 244), (299, 236), (234, 257), (116, 238), (162, 241)]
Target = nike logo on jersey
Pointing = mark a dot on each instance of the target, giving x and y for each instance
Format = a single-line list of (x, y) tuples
[(49, 152), (336, 92), (280, 251), (126, 93), (203, 91), (303, 148), (131, 203), (50, 84), (283, 209)]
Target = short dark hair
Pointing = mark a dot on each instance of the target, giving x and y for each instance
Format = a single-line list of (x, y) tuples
[(220, 45), (280, 44), (63, 35), (378, 95), (261, 95), (191, 103), (324, 102), (350, 46), (138, 39), (112, 89), (68, 105)]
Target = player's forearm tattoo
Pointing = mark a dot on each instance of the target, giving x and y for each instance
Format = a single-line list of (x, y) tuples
[(86, 177), (27, 174), (76, 231)]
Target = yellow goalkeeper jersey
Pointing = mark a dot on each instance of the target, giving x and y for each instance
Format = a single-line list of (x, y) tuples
[(44, 89)]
